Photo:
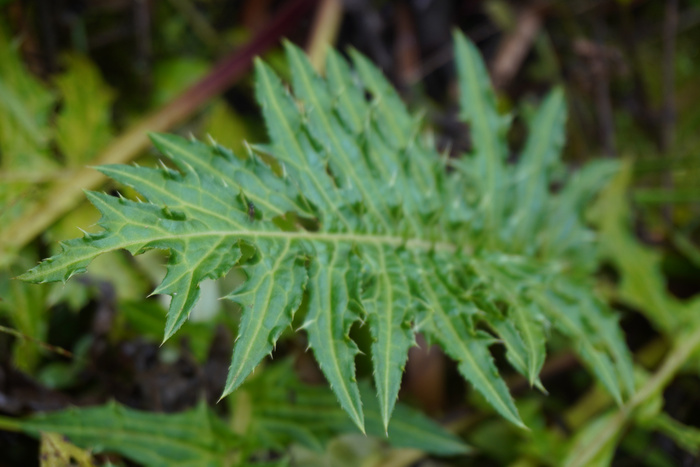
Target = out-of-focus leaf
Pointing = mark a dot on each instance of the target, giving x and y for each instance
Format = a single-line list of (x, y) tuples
[(146, 318), (192, 438), (642, 284), (226, 127), (584, 437), (65, 374), (83, 124), (26, 310), (285, 410), (170, 77), (25, 108), (687, 437), (646, 450), (28, 129), (342, 451)]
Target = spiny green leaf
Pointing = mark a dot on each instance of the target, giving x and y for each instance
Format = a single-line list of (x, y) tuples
[(350, 210)]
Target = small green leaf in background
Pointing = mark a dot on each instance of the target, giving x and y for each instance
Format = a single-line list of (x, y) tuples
[(171, 77), (26, 311), (84, 123), (25, 108), (642, 284), (227, 127)]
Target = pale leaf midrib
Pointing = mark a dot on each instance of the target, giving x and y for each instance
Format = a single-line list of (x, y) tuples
[(388, 317), (388, 117), (304, 236)]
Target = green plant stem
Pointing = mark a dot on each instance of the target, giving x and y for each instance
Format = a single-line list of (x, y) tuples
[(68, 192), (49, 347), (683, 350), (10, 424)]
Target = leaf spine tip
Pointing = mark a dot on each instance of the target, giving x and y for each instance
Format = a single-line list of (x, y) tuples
[(189, 167)]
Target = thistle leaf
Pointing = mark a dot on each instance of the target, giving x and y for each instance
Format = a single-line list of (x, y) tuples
[(350, 210)]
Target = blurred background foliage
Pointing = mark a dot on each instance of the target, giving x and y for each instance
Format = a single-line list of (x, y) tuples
[(81, 82)]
